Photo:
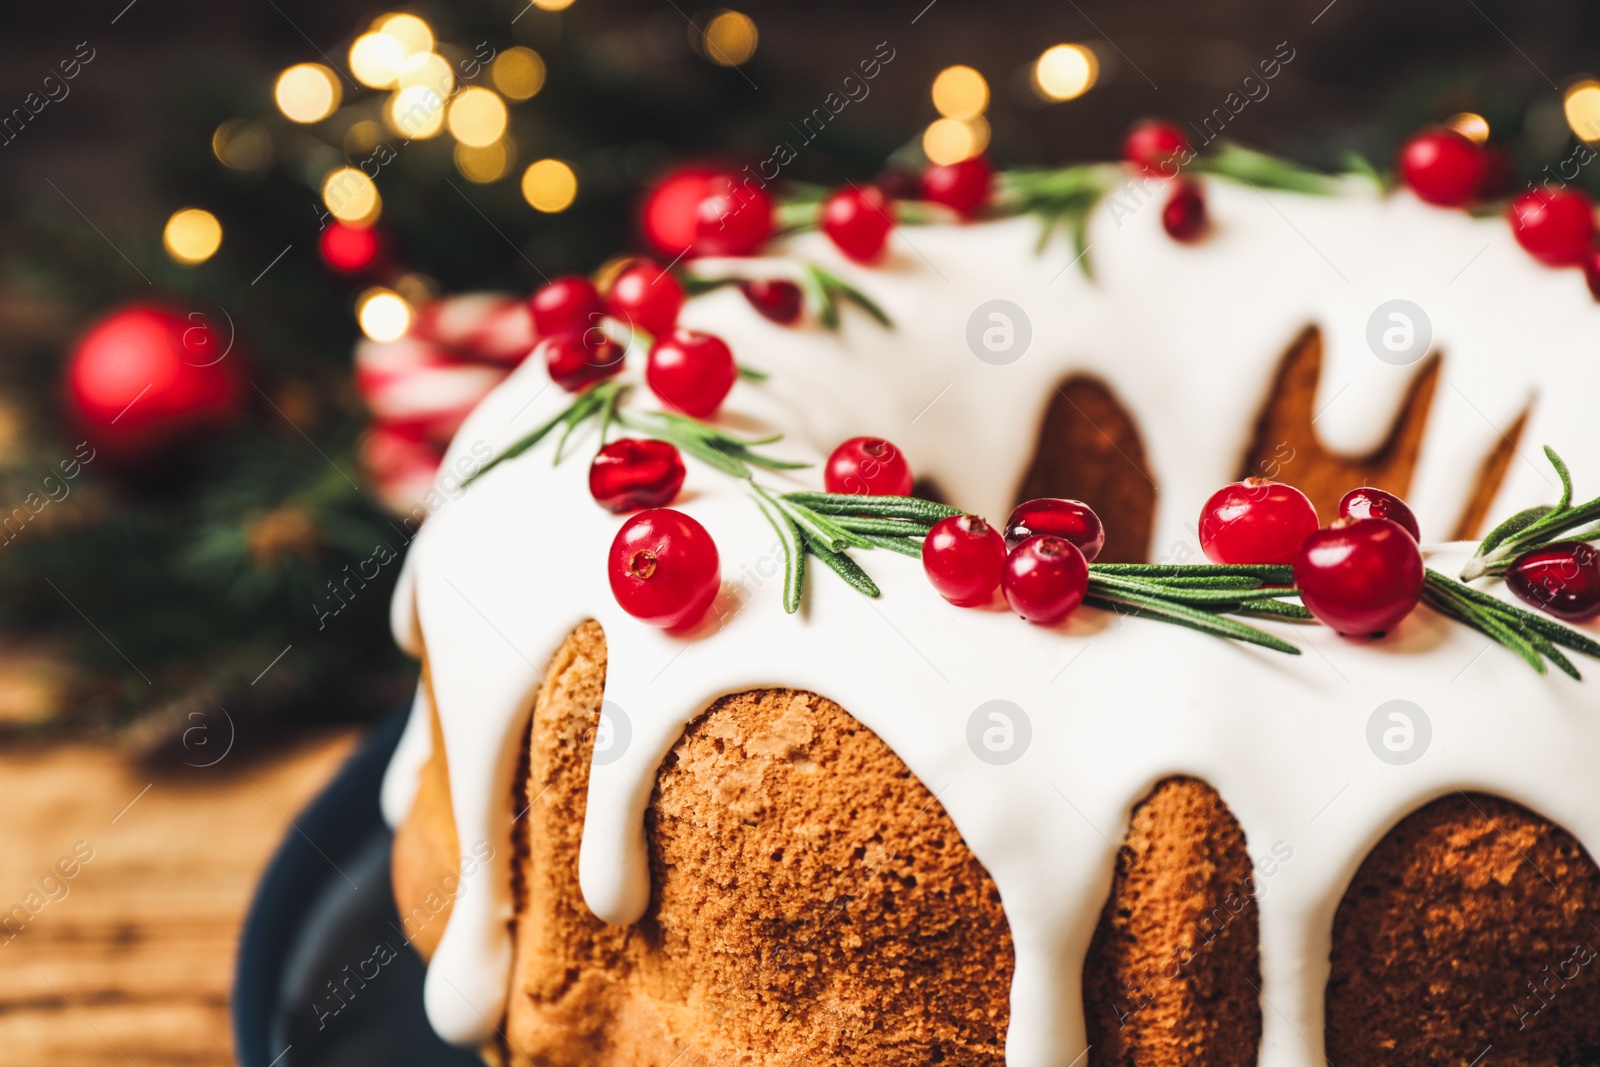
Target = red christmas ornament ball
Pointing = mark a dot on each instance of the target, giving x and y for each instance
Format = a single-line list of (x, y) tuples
[(147, 379), (349, 249)]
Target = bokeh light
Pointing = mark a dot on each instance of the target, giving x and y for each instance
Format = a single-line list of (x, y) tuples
[(729, 38), (486, 164), (1469, 124), (375, 59), (192, 236), (429, 71), (549, 186), (383, 314), (1583, 109), (552, 5), (960, 93), (416, 112), (351, 196), (1065, 72), (307, 92), (518, 72), (242, 145), (413, 34), (477, 117), (362, 137), (952, 140)]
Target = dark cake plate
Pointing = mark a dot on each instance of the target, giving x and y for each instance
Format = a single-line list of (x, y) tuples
[(324, 975)]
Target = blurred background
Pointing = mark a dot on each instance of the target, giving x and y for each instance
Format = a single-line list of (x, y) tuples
[(228, 367)]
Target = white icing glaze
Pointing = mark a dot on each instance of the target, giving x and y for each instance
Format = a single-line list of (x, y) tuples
[(1189, 337)]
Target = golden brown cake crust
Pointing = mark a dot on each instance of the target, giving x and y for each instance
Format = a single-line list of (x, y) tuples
[(811, 902)]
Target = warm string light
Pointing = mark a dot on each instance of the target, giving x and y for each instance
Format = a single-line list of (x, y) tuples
[(307, 92), (1065, 72), (350, 196), (242, 145), (487, 164), (518, 73), (477, 117), (416, 112), (384, 315), (1582, 107), (728, 38), (952, 140), (549, 186), (1469, 124), (960, 93), (192, 236)]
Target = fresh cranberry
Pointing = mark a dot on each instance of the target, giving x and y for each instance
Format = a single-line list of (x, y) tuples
[(576, 360), (1499, 171), (867, 466), (777, 299), (691, 372), (1562, 578), (858, 220), (1044, 579), (566, 304), (1443, 167), (1184, 216), (733, 219), (1369, 502), (1556, 228), (963, 557), (1158, 148), (668, 213), (646, 296), (1072, 520), (962, 187), (632, 473), (1256, 521), (1360, 576), (1591, 271), (664, 568)]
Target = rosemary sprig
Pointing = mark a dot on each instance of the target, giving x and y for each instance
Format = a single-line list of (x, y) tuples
[(1533, 527), (602, 397), (1260, 169), (825, 291), (1529, 634)]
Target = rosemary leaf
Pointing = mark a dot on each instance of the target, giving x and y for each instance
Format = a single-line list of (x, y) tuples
[(1268, 573), (885, 507), (906, 546), (1281, 609), (794, 553), (1566, 478), (1446, 586), (1188, 594), (1179, 615), (1258, 168), (866, 524), (751, 374), (842, 565), (820, 527)]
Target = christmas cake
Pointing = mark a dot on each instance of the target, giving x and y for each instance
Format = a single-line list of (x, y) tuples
[(731, 746)]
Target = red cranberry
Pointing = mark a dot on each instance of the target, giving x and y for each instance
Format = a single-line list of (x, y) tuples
[(1591, 271), (1360, 576), (632, 473), (576, 360), (1044, 579), (962, 187), (566, 304), (1072, 520), (691, 372), (1159, 148), (777, 299), (1556, 228), (867, 466), (1443, 167), (733, 220), (667, 216), (1369, 502), (646, 296), (858, 220), (963, 557), (1256, 521), (1184, 216), (664, 568), (1561, 578)]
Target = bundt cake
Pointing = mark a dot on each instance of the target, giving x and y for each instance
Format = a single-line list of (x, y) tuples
[(887, 831)]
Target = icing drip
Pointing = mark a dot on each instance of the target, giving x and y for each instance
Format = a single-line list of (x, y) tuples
[(1189, 338)]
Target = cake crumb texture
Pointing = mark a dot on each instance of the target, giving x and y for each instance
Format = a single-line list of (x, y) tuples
[(1174, 965), (1472, 925)]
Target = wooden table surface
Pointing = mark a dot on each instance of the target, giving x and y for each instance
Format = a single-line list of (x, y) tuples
[(129, 961)]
